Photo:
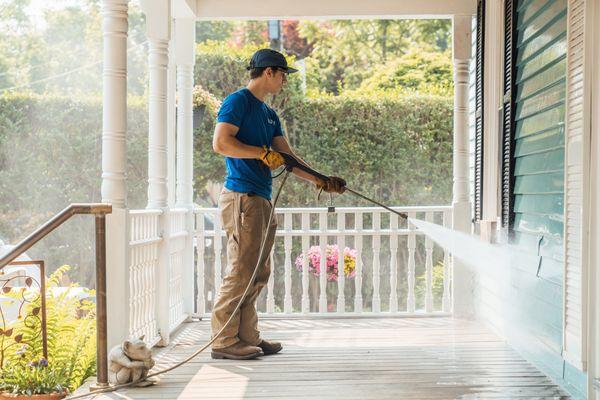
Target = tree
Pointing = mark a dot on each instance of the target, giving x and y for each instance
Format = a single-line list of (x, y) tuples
[(293, 42), (347, 51), (64, 53), (214, 30)]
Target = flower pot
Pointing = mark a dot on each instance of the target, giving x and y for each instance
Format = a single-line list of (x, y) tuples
[(47, 396)]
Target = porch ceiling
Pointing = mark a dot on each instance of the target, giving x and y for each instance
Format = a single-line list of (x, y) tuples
[(328, 9)]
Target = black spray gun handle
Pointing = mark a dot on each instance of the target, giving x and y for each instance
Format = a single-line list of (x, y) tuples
[(291, 162)]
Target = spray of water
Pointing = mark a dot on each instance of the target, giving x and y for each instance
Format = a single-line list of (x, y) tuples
[(490, 264), (470, 249), (478, 254)]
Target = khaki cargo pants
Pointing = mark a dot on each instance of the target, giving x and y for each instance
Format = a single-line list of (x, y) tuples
[(245, 218)]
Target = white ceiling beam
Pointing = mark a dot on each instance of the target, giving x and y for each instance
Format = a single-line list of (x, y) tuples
[(183, 9), (331, 9)]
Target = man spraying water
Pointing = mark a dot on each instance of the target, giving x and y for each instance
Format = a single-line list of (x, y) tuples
[(249, 134)]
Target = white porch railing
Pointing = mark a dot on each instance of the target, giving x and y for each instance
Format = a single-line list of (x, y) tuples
[(389, 266), (144, 242), (147, 301), (177, 261), (396, 269)]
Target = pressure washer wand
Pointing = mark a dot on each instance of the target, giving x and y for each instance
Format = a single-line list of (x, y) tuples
[(291, 162), (403, 215)]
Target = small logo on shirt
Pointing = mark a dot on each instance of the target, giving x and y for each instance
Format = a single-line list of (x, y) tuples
[(271, 121)]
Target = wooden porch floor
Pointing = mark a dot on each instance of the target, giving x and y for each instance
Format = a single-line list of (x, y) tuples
[(375, 358)]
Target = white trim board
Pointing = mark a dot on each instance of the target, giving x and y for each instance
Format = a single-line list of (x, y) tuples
[(331, 9)]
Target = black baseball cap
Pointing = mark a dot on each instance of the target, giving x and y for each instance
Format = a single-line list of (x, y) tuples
[(269, 58)]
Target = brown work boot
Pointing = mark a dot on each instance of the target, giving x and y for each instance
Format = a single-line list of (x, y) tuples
[(270, 347), (238, 351)]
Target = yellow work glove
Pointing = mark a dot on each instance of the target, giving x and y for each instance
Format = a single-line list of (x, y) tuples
[(271, 158), (333, 184)]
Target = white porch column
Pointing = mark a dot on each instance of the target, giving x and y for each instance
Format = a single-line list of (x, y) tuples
[(157, 122), (158, 31), (185, 40), (185, 33), (113, 189), (461, 204), (171, 120)]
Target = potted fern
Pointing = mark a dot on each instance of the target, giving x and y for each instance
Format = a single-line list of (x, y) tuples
[(35, 380)]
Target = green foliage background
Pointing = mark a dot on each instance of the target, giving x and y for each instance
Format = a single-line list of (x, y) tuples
[(50, 156)]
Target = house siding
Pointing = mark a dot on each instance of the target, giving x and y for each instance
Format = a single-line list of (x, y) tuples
[(534, 174)]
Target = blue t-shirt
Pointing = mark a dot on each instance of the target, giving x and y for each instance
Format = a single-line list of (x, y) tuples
[(258, 125)]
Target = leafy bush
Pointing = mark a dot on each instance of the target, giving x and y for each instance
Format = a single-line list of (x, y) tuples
[(418, 71), (71, 333), (37, 377), (221, 69)]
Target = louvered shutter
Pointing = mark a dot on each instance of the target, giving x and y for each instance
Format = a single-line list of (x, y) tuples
[(478, 168), (576, 191), (508, 107)]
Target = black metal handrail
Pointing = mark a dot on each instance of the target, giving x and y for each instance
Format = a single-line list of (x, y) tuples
[(99, 210)]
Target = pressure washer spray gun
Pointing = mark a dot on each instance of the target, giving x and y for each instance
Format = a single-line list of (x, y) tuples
[(291, 162)]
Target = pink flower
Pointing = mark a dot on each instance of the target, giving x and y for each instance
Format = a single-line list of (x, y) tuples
[(332, 259)]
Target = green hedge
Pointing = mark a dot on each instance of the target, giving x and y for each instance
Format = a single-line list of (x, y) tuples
[(396, 149), (50, 156)]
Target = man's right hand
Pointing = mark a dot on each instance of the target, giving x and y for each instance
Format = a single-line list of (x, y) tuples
[(333, 184), (271, 158)]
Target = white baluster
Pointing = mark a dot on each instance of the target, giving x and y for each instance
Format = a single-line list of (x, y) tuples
[(323, 263), (428, 268), (446, 300), (358, 241), (412, 244), (138, 268), (393, 263), (271, 284), (142, 285), (146, 287), (218, 246), (151, 289), (341, 243), (287, 245), (132, 287), (200, 266), (305, 260), (376, 261)]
